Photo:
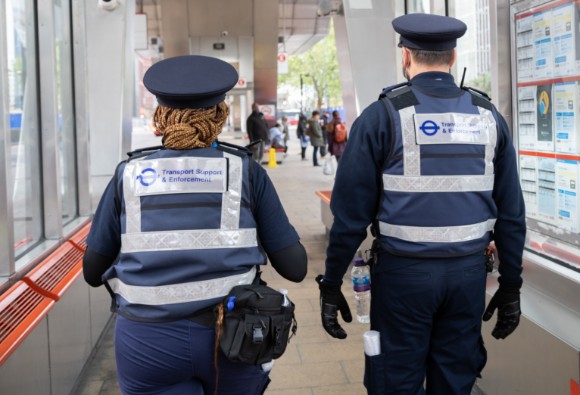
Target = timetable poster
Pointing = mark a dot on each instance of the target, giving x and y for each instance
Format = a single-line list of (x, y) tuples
[(564, 46), (527, 117), (529, 183), (542, 34), (544, 106), (565, 106), (577, 38), (547, 188), (567, 195)]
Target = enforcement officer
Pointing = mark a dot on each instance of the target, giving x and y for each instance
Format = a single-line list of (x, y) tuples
[(432, 167), (176, 229)]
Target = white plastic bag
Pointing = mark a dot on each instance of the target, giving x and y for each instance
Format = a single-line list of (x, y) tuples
[(328, 166)]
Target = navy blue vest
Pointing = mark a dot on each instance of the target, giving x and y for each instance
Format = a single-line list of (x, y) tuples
[(438, 178), (188, 233)]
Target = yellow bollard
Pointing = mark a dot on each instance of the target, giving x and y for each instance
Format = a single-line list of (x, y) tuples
[(272, 161)]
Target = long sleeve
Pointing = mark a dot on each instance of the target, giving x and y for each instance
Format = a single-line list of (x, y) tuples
[(510, 228), (357, 189)]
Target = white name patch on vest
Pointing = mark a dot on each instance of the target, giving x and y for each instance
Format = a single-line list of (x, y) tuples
[(452, 128), (179, 175)]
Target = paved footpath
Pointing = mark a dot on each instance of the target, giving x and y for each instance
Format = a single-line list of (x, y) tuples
[(314, 363)]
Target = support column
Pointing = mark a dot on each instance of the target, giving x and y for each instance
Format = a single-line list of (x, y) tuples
[(371, 44), (110, 79)]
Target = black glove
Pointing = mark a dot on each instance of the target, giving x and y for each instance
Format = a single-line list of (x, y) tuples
[(332, 300), (507, 302)]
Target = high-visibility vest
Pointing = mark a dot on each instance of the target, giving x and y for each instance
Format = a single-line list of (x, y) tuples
[(438, 178), (188, 234)]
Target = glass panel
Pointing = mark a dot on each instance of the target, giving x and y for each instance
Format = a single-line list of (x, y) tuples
[(547, 126), (473, 49), (65, 116), (24, 125), (418, 6)]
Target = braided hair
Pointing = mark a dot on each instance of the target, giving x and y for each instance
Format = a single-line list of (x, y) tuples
[(187, 128)]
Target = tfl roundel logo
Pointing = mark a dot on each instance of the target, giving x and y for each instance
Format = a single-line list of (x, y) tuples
[(147, 177), (430, 128)]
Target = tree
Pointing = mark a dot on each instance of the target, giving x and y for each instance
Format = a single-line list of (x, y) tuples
[(481, 82), (318, 68)]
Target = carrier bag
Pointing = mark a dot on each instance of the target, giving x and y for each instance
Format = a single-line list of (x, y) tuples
[(254, 324)]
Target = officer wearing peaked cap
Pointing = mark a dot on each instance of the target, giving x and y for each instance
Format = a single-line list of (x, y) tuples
[(178, 227), (432, 168)]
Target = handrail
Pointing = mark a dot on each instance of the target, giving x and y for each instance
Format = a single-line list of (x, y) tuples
[(30, 299), (324, 196)]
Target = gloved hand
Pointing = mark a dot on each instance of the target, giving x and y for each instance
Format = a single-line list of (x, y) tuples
[(331, 301), (507, 302)]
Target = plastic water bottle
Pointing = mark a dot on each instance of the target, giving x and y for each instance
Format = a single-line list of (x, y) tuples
[(267, 366), (361, 282), (284, 292)]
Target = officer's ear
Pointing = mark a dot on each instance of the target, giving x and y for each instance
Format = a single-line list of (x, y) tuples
[(453, 58), (406, 58)]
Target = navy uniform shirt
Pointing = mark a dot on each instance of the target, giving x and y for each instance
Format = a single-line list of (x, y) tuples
[(275, 232), (357, 189)]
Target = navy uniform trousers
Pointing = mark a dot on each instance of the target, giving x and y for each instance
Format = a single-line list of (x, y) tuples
[(176, 358), (428, 312)]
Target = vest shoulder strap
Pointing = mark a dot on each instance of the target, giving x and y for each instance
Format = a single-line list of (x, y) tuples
[(401, 96), (479, 98), (117, 197), (141, 152), (232, 149)]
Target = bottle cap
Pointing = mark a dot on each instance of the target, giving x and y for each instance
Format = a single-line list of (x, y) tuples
[(359, 262)]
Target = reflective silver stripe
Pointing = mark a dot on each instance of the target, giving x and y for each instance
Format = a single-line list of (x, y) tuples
[(188, 240), (180, 293), (228, 236), (232, 198), (437, 183), (489, 149), (411, 151), (132, 202), (441, 234)]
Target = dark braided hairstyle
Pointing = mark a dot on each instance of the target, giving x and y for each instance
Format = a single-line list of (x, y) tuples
[(186, 128)]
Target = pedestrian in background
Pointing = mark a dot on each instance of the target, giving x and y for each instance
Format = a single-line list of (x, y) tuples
[(314, 131), (428, 275), (176, 229), (337, 135), (258, 132), (301, 129)]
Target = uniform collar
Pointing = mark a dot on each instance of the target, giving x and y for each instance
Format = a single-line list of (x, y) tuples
[(435, 82)]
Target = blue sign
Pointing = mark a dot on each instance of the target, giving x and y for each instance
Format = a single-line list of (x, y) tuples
[(148, 177), (429, 128)]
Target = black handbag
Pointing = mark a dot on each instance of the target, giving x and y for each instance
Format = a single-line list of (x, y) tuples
[(254, 324)]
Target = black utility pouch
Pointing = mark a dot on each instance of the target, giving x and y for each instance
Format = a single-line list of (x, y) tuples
[(374, 379), (253, 325)]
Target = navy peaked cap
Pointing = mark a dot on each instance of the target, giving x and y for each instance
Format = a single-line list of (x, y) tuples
[(428, 32), (191, 81)]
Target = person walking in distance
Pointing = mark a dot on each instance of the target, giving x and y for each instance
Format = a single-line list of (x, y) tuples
[(336, 135), (314, 131), (428, 276), (258, 131)]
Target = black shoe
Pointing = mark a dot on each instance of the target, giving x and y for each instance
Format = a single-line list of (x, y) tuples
[(317, 165)]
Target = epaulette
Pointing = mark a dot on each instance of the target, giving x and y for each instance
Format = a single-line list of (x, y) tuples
[(479, 98), (477, 92), (400, 95), (140, 152), (392, 88), (232, 148)]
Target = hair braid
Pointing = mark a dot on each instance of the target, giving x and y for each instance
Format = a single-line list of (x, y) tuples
[(186, 128)]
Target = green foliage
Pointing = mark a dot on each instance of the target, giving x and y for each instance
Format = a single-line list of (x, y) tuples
[(481, 82), (319, 69)]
